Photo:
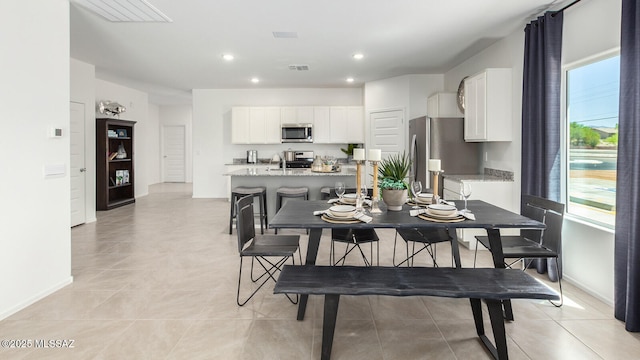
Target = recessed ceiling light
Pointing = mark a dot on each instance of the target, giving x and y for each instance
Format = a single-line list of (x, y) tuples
[(227, 57), (358, 56), (255, 80), (350, 80)]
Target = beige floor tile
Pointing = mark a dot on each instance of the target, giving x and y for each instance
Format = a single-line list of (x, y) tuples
[(607, 338), (279, 339), (213, 339), (353, 340), (147, 339)]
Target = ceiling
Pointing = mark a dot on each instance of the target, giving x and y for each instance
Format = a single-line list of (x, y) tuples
[(399, 37)]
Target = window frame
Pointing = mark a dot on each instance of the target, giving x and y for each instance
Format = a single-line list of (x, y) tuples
[(565, 135)]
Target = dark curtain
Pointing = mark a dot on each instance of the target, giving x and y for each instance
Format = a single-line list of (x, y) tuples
[(627, 237), (541, 107), (541, 114)]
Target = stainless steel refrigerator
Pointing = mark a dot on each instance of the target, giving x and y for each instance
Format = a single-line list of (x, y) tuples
[(441, 138)]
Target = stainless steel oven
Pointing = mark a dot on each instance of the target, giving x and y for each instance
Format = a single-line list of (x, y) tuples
[(297, 133)]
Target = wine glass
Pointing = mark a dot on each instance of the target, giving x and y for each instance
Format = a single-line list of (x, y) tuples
[(360, 199), (340, 189), (416, 189), (465, 191)]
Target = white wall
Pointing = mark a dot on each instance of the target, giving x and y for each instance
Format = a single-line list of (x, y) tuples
[(212, 146), (152, 141), (179, 115), (590, 27), (146, 142), (35, 236), (83, 88), (408, 93)]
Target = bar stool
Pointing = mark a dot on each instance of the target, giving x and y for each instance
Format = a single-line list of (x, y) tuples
[(241, 191), (290, 192)]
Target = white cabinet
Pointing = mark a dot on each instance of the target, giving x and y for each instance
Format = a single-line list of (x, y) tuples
[(498, 193), (487, 99), (442, 105), (347, 124), (240, 125), (272, 125), (296, 115), (331, 124), (355, 124), (321, 125), (255, 125)]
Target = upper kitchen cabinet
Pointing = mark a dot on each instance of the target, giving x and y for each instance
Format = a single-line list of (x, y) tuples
[(240, 125), (487, 100), (296, 115), (321, 125), (347, 124), (443, 105), (255, 125)]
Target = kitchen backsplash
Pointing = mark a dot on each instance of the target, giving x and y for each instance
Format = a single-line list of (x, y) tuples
[(504, 174)]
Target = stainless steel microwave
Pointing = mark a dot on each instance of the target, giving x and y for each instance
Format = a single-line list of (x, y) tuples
[(297, 133)]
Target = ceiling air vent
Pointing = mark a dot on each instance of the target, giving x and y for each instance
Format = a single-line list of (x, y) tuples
[(299, 67)]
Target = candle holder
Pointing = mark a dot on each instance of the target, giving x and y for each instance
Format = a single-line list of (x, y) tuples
[(358, 183), (436, 197), (376, 195)]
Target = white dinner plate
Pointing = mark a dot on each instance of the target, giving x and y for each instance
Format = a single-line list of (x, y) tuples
[(442, 209), (342, 211)]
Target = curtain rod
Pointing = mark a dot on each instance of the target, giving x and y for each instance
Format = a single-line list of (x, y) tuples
[(565, 8)]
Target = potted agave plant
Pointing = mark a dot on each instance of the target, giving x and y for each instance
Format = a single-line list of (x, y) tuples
[(392, 175)]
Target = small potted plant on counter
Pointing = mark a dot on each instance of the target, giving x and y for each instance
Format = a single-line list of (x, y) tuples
[(392, 174), (349, 151)]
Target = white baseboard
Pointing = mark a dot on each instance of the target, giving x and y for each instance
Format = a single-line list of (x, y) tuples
[(32, 300), (587, 289)]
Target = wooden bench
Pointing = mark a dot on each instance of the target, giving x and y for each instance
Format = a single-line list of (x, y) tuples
[(491, 285)]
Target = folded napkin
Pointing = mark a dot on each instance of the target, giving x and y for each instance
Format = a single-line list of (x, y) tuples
[(363, 217), (467, 214), (359, 216), (365, 202)]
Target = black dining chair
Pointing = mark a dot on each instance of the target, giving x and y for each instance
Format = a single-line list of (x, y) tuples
[(425, 239), (261, 248), (535, 244), (352, 238)]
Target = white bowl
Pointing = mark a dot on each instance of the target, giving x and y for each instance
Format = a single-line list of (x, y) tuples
[(424, 198), (442, 209), (349, 198), (342, 210)]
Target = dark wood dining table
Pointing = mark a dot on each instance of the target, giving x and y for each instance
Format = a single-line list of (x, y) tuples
[(299, 215)]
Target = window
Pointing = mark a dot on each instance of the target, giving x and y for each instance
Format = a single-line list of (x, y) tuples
[(592, 126)]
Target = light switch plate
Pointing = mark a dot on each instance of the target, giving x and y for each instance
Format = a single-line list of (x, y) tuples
[(54, 169)]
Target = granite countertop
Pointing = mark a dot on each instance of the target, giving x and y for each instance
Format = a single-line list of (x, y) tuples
[(275, 171), (489, 175), (475, 178)]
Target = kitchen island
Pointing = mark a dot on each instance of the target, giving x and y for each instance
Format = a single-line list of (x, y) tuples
[(273, 178)]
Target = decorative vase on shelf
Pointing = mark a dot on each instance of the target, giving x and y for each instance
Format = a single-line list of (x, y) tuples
[(394, 199), (122, 153)]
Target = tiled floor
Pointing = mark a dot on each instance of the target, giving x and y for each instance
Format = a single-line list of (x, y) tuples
[(157, 280)]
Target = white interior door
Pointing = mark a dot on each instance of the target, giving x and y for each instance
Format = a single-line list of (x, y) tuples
[(77, 164), (387, 131), (173, 153)]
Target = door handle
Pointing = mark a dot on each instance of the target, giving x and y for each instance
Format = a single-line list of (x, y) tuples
[(83, 169)]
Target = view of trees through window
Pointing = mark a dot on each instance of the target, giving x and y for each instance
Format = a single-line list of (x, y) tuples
[(592, 116)]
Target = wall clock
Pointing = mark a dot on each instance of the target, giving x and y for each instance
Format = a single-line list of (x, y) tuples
[(460, 97)]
